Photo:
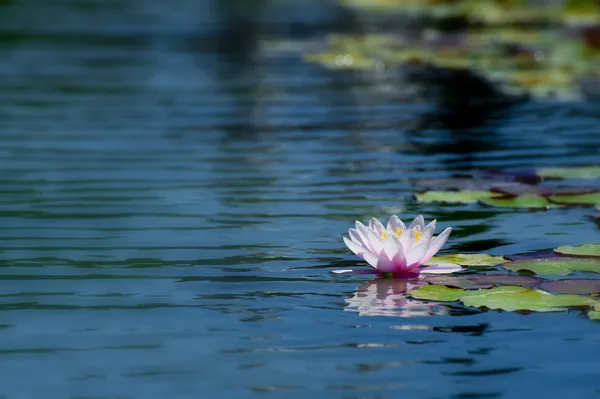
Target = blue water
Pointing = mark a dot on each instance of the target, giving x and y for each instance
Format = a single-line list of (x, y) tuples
[(170, 212)]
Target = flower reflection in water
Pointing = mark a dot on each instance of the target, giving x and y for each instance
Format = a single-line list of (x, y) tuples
[(386, 297)]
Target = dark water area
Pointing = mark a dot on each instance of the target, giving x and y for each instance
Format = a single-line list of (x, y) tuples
[(171, 206)]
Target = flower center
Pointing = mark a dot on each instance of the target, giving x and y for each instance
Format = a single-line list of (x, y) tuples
[(397, 232), (418, 235)]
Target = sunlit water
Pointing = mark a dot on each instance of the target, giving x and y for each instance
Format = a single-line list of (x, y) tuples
[(169, 215)]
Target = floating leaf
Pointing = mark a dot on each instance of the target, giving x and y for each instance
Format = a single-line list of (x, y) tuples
[(576, 172), (453, 197), (580, 250), (594, 315), (581, 199), (526, 201), (443, 293), (532, 255), (468, 260), (544, 190), (573, 286), (457, 282), (465, 184), (556, 266), (477, 281), (526, 299)]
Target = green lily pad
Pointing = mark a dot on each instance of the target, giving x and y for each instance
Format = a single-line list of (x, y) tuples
[(453, 197), (580, 250), (527, 299), (447, 294), (576, 172), (556, 266), (594, 315), (525, 201), (477, 281), (468, 260), (581, 199)]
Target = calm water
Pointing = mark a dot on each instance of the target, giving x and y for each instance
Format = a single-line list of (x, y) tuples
[(169, 215)]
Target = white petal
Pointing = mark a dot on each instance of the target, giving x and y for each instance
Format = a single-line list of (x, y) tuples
[(354, 247), (419, 221), (371, 259), (391, 246), (432, 225), (427, 234), (408, 240), (376, 225), (442, 268), (355, 236), (395, 223), (399, 261), (436, 244), (375, 242), (362, 232), (416, 254)]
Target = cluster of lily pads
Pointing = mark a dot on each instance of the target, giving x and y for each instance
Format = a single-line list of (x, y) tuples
[(520, 46), (520, 189), (526, 282)]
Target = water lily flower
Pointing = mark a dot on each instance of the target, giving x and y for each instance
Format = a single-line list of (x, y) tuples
[(398, 249)]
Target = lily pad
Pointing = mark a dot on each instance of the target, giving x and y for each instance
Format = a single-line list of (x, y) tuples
[(478, 281), (581, 199), (525, 201), (544, 190), (465, 184), (457, 282), (526, 299), (573, 286), (580, 250), (556, 266), (576, 172), (468, 260), (453, 197), (443, 293), (532, 255)]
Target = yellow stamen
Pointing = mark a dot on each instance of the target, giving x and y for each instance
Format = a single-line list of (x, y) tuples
[(399, 231), (418, 234)]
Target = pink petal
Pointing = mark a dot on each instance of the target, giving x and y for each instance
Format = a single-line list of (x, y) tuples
[(436, 244), (432, 225), (416, 254), (442, 268), (399, 261), (385, 265), (354, 247)]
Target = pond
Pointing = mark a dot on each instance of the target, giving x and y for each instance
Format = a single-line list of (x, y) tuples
[(170, 213)]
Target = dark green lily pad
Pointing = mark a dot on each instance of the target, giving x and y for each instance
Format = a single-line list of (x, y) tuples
[(556, 266), (453, 197), (573, 286), (581, 199), (526, 201), (575, 172), (443, 293), (457, 282), (468, 260), (527, 299), (543, 190), (580, 250), (532, 255), (478, 281)]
